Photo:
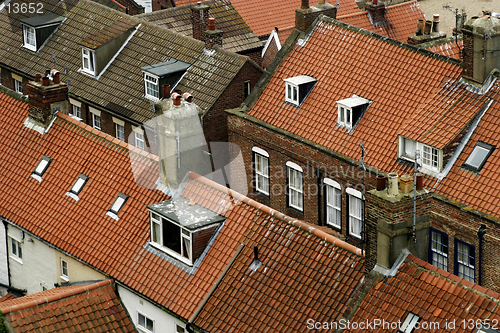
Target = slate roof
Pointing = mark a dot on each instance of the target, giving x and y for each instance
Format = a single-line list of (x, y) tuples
[(433, 294), (401, 20), (121, 87), (263, 15), (89, 308), (395, 77), (304, 273), (108, 33), (237, 37)]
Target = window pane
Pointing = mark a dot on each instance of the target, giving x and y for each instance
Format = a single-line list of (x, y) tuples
[(186, 248), (139, 140), (355, 216), (409, 148), (477, 156), (117, 205), (41, 166), (142, 320), (295, 98), (149, 324), (333, 202), (342, 117), (156, 233), (289, 91), (171, 236), (91, 61), (439, 248), (120, 132), (19, 250), (14, 246), (348, 116)]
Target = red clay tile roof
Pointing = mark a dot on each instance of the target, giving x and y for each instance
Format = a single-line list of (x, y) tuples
[(7, 297), (302, 275), (450, 48), (89, 308), (346, 61), (434, 295), (237, 37), (401, 20), (263, 15)]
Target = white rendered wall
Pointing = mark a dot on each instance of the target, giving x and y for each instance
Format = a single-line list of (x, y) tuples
[(4, 271)]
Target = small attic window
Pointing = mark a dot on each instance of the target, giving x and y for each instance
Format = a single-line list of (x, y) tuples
[(117, 205), (350, 111), (77, 187), (164, 73), (479, 156), (88, 61), (37, 30), (409, 324), (297, 88), (41, 168)]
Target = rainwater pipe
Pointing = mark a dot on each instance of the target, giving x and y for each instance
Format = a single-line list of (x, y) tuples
[(480, 235)]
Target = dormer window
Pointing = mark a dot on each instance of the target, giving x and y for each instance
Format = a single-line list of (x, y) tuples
[(41, 168), (88, 61), (430, 157), (117, 205), (182, 229), (164, 73), (297, 88), (478, 156), (37, 30), (350, 111)]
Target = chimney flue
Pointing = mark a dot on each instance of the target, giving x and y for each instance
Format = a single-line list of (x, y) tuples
[(375, 2), (56, 76), (177, 99), (38, 76), (304, 4), (211, 24), (187, 97), (420, 28), (45, 80), (428, 27)]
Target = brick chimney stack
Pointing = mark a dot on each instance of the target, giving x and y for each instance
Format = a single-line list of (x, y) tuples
[(212, 36), (376, 12), (305, 15), (199, 19), (47, 95)]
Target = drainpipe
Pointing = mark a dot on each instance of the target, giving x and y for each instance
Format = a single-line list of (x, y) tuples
[(320, 195), (480, 234), (7, 251)]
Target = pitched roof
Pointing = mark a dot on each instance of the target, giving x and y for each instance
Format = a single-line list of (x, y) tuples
[(394, 76), (263, 15), (121, 87), (447, 46), (401, 20), (237, 37), (89, 308), (432, 294), (304, 273)]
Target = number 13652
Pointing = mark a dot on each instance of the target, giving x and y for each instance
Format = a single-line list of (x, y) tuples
[(24, 8)]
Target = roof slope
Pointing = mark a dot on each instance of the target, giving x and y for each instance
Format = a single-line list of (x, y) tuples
[(448, 46), (432, 294), (89, 308), (263, 16), (348, 61), (304, 273), (121, 87), (237, 37), (401, 20)]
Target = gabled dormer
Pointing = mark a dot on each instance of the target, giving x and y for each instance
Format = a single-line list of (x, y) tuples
[(100, 49), (429, 158), (37, 30), (297, 88), (182, 229), (351, 110), (164, 73)]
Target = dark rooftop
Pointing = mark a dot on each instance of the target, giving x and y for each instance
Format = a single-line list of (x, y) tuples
[(169, 67), (47, 19)]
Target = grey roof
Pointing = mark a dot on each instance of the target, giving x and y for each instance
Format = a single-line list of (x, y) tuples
[(47, 19), (168, 67), (120, 88), (237, 37)]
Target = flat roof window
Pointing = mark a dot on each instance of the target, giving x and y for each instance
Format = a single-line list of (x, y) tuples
[(41, 168), (409, 324), (117, 205), (77, 187), (478, 157)]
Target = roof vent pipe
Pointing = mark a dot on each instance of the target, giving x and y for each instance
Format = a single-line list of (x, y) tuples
[(256, 262), (187, 97), (392, 187), (428, 27), (211, 23)]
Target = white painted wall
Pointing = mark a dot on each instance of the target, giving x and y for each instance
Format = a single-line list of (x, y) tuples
[(163, 321), (148, 6), (4, 271), (41, 265)]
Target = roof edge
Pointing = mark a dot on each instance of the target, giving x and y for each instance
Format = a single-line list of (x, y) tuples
[(441, 41), (388, 40), (285, 218), (360, 13), (56, 297)]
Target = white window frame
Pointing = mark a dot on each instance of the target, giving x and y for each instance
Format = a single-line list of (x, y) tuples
[(333, 207), (409, 323), (179, 329), (146, 318), (16, 250), (423, 150), (185, 236), (64, 276), (436, 253), (120, 132), (154, 82), (344, 116), (355, 212), (139, 140), (292, 93), (261, 175), (89, 55), (293, 170), (79, 184), (96, 121), (18, 86), (76, 112), (26, 30)]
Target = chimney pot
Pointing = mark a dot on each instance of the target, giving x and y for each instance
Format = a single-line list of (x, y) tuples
[(428, 26), (176, 98), (211, 23), (420, 182), (375, 2), (321, 2), (420, 27), (392, 188), (435, 23), (45, 80), (38, 76), (381, 182), (304, 4), (187, 97), (166, 91)]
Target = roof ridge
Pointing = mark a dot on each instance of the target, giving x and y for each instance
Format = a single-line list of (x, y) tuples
[(461, 282), (103, 139), (388, 40), (274, 213), (362, 13), (54, 297)]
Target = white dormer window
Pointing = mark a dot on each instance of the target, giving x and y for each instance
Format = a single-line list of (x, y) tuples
[(297, 88), (151, 87), (408, 326), (350, 110), (172, 237), (29, 38), (88, 61), (430, 157)]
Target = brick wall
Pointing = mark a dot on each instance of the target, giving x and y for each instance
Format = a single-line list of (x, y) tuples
[(200, 240), (160, 4), (271, 52), (468, 54), (133, 8)]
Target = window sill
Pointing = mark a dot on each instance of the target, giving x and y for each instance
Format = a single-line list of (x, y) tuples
[(64, 278), (151, 98), (334, 227), (30, 47), (295, 209), (171, 253), (75, 117), (264, 194), (16, 259)]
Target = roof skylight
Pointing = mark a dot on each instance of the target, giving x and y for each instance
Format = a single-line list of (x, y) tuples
[(41, 168), (478, 157), (79, 184), (117, 205), (409, 324)]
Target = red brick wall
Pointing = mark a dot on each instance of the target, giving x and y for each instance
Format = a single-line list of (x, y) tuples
[(200, 240), (271, 52), (161, 4)]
